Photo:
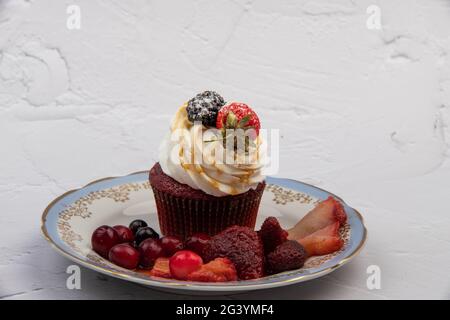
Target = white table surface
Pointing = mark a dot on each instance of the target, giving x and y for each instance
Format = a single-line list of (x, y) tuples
[(363, 113)]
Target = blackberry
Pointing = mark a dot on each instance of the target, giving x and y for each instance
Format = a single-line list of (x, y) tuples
[(204, 107)]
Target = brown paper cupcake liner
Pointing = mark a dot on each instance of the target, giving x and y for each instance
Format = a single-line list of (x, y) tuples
[(183, 216)]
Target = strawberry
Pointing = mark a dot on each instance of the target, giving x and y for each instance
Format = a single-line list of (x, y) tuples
[(324, 214), (242, 246), (272, 235), (237, 115), (218, 270), (323, 241), (161, 268), (289, 255)]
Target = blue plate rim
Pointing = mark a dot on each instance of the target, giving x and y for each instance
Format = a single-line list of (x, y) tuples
[(282, 279)]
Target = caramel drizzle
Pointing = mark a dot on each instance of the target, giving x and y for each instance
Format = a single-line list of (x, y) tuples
[(181, 121)]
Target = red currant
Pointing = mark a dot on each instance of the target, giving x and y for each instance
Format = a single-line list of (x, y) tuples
[(197, 242), (150, 250), (125, 234), (183, 263), (171, 245), (103, 239), (124, 256)]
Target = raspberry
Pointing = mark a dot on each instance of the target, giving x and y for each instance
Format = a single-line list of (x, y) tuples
[(242, 246), (289, 255), (204, 107), (272, 235)]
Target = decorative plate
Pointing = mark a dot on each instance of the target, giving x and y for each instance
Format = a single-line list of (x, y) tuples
[(69, 221)]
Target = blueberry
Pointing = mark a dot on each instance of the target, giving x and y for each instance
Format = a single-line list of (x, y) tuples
[(135, 225), (145, 233), (204, 107)]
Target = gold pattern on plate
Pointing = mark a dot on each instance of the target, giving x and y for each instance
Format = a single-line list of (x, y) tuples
[(80, 208), (283, 196), (121, 193)]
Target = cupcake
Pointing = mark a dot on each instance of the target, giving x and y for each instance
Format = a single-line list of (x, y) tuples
[(209, 174)]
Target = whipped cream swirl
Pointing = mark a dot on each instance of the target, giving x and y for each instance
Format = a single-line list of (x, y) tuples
[(193, 155)]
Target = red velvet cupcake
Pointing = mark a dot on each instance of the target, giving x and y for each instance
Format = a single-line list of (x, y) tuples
[(209, 195), (183, 211)]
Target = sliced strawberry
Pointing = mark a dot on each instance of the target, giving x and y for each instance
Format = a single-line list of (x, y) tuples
[(323, 241), (218, 270), (237, 115), (324, 214), (161, 268)]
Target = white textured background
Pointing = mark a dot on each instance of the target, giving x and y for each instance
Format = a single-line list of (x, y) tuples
[(363, 113)]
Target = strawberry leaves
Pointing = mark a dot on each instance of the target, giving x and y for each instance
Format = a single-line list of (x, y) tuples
[(231, 121), (244, 121)]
